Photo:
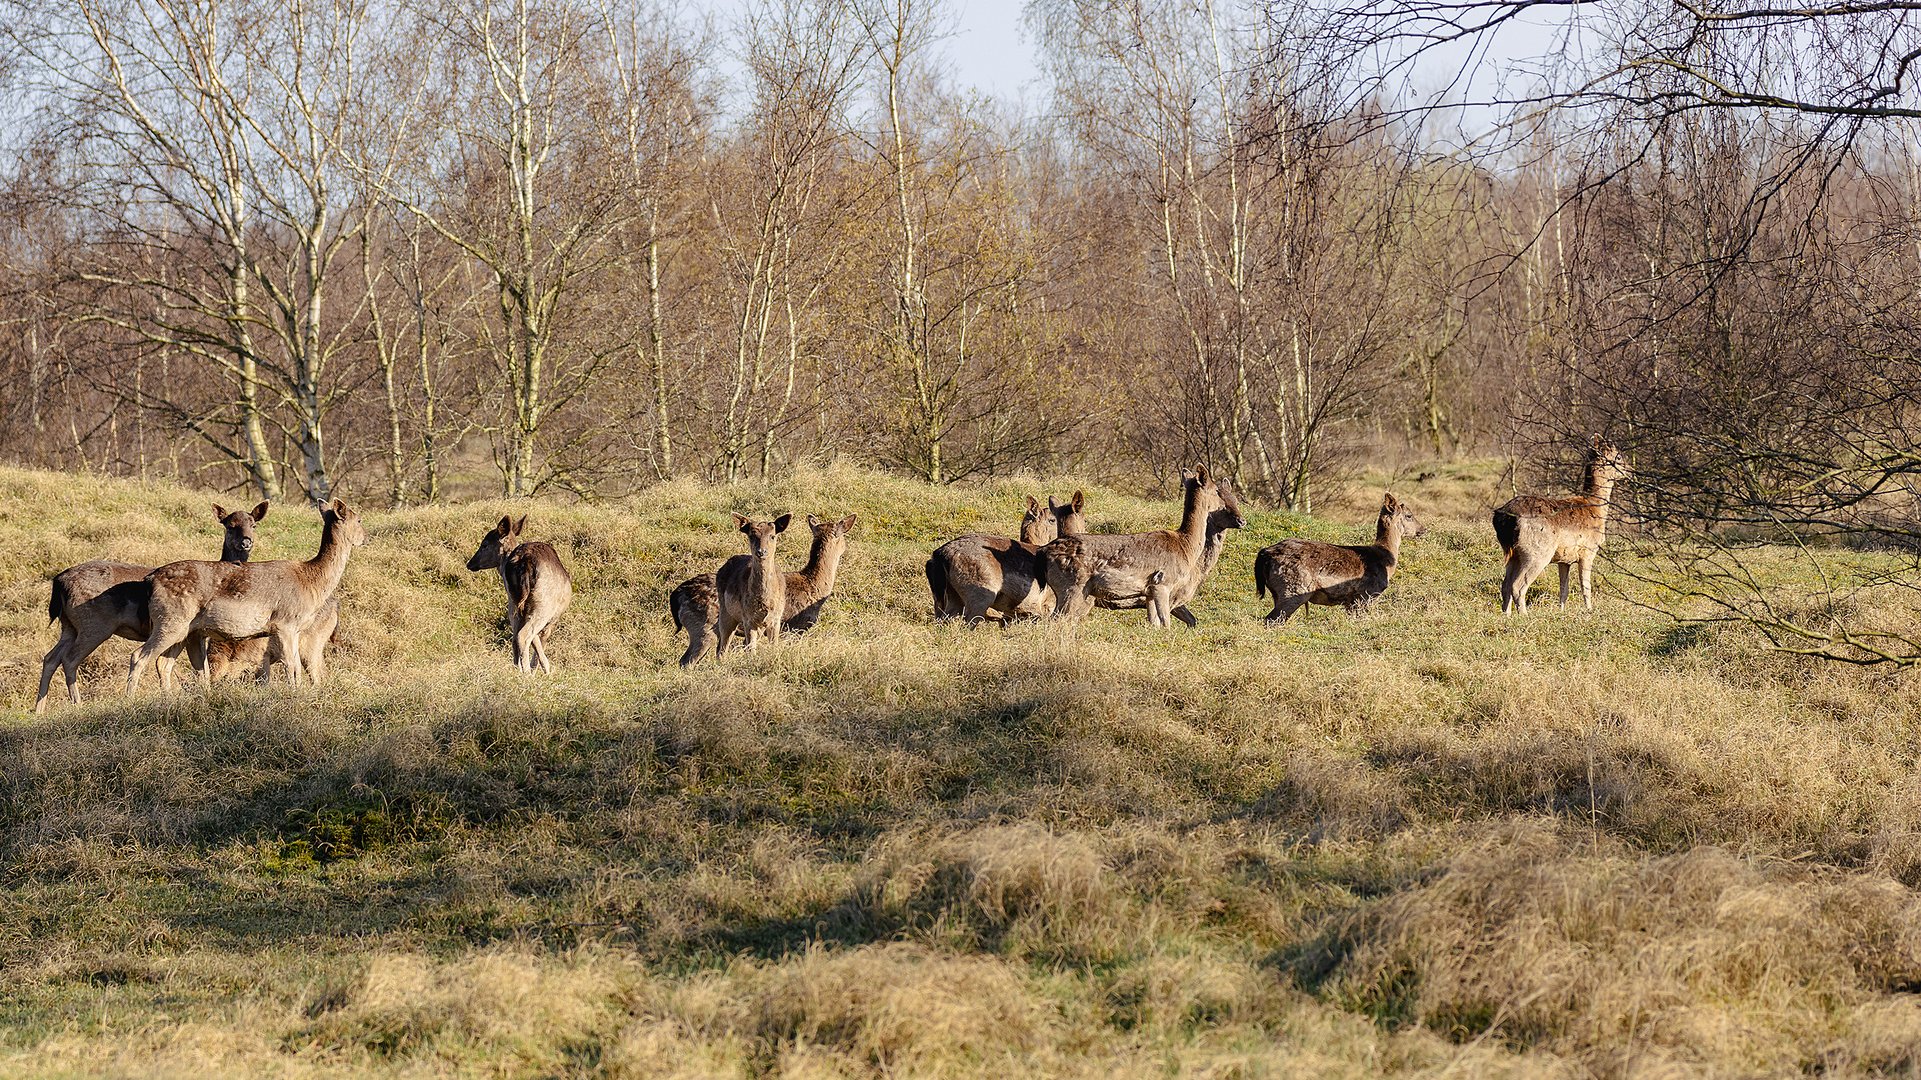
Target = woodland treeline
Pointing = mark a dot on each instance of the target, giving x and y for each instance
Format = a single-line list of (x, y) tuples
[(382, 247)]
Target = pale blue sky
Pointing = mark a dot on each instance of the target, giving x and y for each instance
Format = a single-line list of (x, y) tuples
[(991, 48)]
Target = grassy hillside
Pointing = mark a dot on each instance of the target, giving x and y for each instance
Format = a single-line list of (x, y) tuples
[(1428, 842)]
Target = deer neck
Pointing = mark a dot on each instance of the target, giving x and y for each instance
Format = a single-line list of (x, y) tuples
[(232, 552), (762, 575), (1600, 487), (823, 561), (1193, 530), (1387, 535), (325, 569)]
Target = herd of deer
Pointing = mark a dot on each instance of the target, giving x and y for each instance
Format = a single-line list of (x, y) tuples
[(232, 616)]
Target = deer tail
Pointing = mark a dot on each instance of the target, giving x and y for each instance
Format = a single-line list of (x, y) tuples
[(1507, 528), (57, 603), (937, 582), (1263, 566)]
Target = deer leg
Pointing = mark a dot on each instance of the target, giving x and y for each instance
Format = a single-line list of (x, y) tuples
[(1587, 582), (163, 638), (316, 659), (197, 656), (700, 638), (726, 632), (287, 639), (1179, 611), (1564, 568), (772, 630), (540, 646), (1285, 607), (51, 664)]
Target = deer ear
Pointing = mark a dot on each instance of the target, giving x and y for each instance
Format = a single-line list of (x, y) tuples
[(847, 523), (813, 522), (1034, 505), (521, 525), (1200, 474), (740, 523), (1079, 501), (506, 525), (260, 512), (219, 512), (780, 523)]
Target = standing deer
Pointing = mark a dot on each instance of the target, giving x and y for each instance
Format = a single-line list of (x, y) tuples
[(753, 591), (538, 588), (191, 601), (1227, 516), (695, 603), (1299, 572), (978, 574), (1535, 531), (1089, 569), (1159, 605), (232, 658), (95, 601)]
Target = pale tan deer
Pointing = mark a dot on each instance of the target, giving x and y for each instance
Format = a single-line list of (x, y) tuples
[(1568, 532), (753, 591), (191, 601), (233, 659), (1299, 572), (1228, 516), (979, 575), (695, 603), (537, 583), (95, 601), (1159, 602), (1089, 569)]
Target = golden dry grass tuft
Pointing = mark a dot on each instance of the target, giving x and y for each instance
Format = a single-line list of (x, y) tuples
[(1428, 842)]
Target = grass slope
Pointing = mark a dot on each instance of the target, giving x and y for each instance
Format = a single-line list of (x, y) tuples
[(1428, 842)]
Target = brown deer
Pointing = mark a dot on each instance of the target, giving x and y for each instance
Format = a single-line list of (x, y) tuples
[(1159, 602), (1228, 516), (95, 601), (695, 603), (1568, 532), (537, 583), (191, 601), (1299, 572), (1086, 570), (231, 659), (753, 591), (977, 575)]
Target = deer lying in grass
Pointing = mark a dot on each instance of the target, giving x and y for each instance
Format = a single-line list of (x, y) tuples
[(537, 583), (977, 575), (1299, 572), (695, 603), (753, 591), (1567, 532), (1089, 569), (232, 659), (191, 601), (95, 601)]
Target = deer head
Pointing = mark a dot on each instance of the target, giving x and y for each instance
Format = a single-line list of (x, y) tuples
[(238, 546), (761, 534)]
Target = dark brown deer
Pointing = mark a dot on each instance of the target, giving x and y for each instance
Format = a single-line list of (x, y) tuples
[(1567, 532), (695, 603), (537, 583), (753, 591), (1086, 570), (192, 601), (1299, 572), (979, 575), (95, 601)]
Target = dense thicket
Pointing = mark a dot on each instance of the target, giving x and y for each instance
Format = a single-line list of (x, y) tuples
[(383, 243)]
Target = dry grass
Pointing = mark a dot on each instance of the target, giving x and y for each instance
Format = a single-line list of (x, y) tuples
[(1431, 842)]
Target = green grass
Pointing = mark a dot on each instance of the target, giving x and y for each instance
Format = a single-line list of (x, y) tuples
[(1429, 842)]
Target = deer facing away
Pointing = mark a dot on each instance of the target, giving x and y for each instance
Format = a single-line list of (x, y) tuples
[(1090, 569), (192, 601), (95, 601), (537, 583), (695, 603), (1567, 532), (1299, 572), (753, 591), (977, 575)]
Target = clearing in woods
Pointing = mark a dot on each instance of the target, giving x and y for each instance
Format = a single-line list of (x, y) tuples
[(1431, 841)]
